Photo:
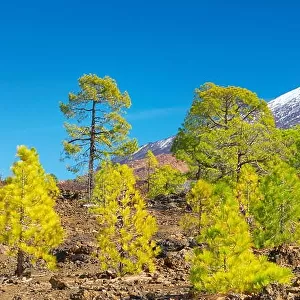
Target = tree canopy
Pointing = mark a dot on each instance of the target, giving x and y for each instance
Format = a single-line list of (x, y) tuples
[(225, 129)]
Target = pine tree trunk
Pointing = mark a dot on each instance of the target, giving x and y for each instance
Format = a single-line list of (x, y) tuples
[(198, 174), (92, 152), (238, 168), (121, 264), (120, 226), (20, 256), (238, 177), (281, 223), (199, 216), (20, 263), (148, 178)]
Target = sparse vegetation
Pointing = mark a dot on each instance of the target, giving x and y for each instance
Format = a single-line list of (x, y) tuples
[(244, 195)]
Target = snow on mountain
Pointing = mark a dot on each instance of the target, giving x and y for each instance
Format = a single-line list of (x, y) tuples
[(286, 109), (159, 147)]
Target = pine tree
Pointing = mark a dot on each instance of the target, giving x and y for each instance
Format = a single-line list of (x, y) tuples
[(226, 129), (291, 141), (126, 228), (277, 213), (200, 199), (248, 193), (28, 222), (152, 164), (226, 263), (99, 129), (165, 180)]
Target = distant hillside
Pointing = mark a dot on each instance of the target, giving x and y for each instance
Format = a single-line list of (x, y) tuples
[(159, 147), (140, 165)]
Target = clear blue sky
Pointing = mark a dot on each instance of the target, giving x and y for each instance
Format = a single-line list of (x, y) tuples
[(159, 51)]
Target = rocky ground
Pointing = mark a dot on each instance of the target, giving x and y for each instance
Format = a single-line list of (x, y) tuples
[(78, 277)]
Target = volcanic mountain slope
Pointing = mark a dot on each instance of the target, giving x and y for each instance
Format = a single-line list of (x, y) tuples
[(140, 165), (159, 147), (286, 109)]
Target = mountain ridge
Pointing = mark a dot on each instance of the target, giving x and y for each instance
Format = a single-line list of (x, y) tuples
[(159, 147), (286, 109)]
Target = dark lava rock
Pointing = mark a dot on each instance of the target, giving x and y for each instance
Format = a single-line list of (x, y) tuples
[(170, 201), (27, 273), (273, 292), (171, 245), (57, 283), (60, 255), (285, 255)]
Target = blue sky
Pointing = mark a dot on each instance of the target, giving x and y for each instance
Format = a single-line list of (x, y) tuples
[(159, 51)]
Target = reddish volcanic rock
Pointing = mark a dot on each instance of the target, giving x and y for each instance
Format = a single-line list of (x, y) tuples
[(139, 165)]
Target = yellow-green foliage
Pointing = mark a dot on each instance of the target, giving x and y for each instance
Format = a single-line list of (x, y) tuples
[(200, 200), (277, 213), (28, 221), (226, 129), (165, 180), (227, 264), (97, 112), (98, 129), (126, 228), (247, 192), (291, 140), (152, 164)]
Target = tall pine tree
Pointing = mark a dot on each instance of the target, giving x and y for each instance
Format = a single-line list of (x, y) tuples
[(99, 128)]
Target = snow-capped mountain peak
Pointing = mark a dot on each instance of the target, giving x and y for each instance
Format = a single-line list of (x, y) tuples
[(286, 109), (159, 147), (293, 96), (162, 144)]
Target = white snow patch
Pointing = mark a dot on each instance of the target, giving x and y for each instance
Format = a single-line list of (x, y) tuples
[(291, 96), (286, 108)]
